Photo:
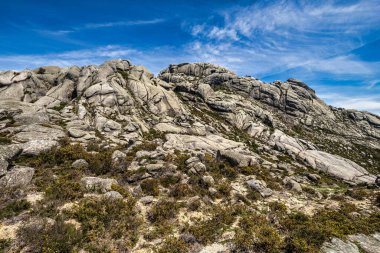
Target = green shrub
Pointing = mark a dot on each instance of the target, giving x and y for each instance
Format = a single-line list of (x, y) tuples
[(253, 195), (169, 180), (159, 230), (103, 218), (208, 230), (46, 237), (359, 194), (173, 245), (377, 200), (99, 163), (66, 187), (278, 207), (162, 211), (255, 234), (224, 189), (5, 140), (194, 205), (307, 233), (120, 189), (309, 190), (150, 187), (221, 169), (181, 191), (14, 208), (4, 244)]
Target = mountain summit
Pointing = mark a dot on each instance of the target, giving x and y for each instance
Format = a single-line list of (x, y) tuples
[(198, 159)]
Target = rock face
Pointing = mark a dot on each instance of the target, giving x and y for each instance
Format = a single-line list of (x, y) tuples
[(188, 102), (367, 243), (331, 164)]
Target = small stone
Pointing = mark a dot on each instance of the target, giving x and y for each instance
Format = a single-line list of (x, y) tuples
[(313, 177), (260, 186), (208, 180), (292, 184), (80, 164), (212, 190), (76, 133), (98, 184), (113, 195), (146, 200)]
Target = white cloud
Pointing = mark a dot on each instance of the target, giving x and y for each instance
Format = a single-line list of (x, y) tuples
[(364, 103), (272, 37), (65, 32), (69, 58)]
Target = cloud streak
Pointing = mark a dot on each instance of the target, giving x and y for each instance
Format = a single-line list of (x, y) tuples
[(121, 23)]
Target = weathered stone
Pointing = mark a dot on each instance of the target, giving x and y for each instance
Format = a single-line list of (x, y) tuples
[(17, 177), (76, 133), (338, 246), (98, 184), (35, 147), (113, 195), (236, 159), (210, 143), (292, 184), (80, 164), (369, 243), (208, 180), (260, 186)]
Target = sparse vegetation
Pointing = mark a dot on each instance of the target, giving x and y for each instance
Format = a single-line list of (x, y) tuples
[(46, 236), (162, 211), (103, 218), (255, 234), (14, 208), (150, 187), (173, 245), (220, 219)]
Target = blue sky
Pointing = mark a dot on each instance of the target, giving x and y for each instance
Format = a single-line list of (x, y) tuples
[(334, 46)]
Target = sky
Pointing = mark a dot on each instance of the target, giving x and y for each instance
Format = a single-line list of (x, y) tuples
[(333, 46)]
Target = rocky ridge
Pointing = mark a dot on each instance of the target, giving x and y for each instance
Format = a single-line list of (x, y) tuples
[(198, 130)]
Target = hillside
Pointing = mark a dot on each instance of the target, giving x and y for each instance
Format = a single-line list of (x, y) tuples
[(110, 158)]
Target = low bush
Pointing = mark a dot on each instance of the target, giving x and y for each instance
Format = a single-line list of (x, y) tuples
[(359, 194), (255, 234), (50, 237), (4, 244), (181, 190), (99, 163), (173, 245), (208, 230), (169, 180), (307, 233), (14, 208), (106, 218), (163, 211), (66, 187), (150, 187), (160, 230)]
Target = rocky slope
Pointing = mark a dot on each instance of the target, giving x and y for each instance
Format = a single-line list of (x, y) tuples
[(111, 158)]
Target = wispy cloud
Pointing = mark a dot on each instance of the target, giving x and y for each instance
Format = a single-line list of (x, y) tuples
[(64, 33), (65, 59), (121, 23), (366, 103), (155, 60), (276, 37)]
